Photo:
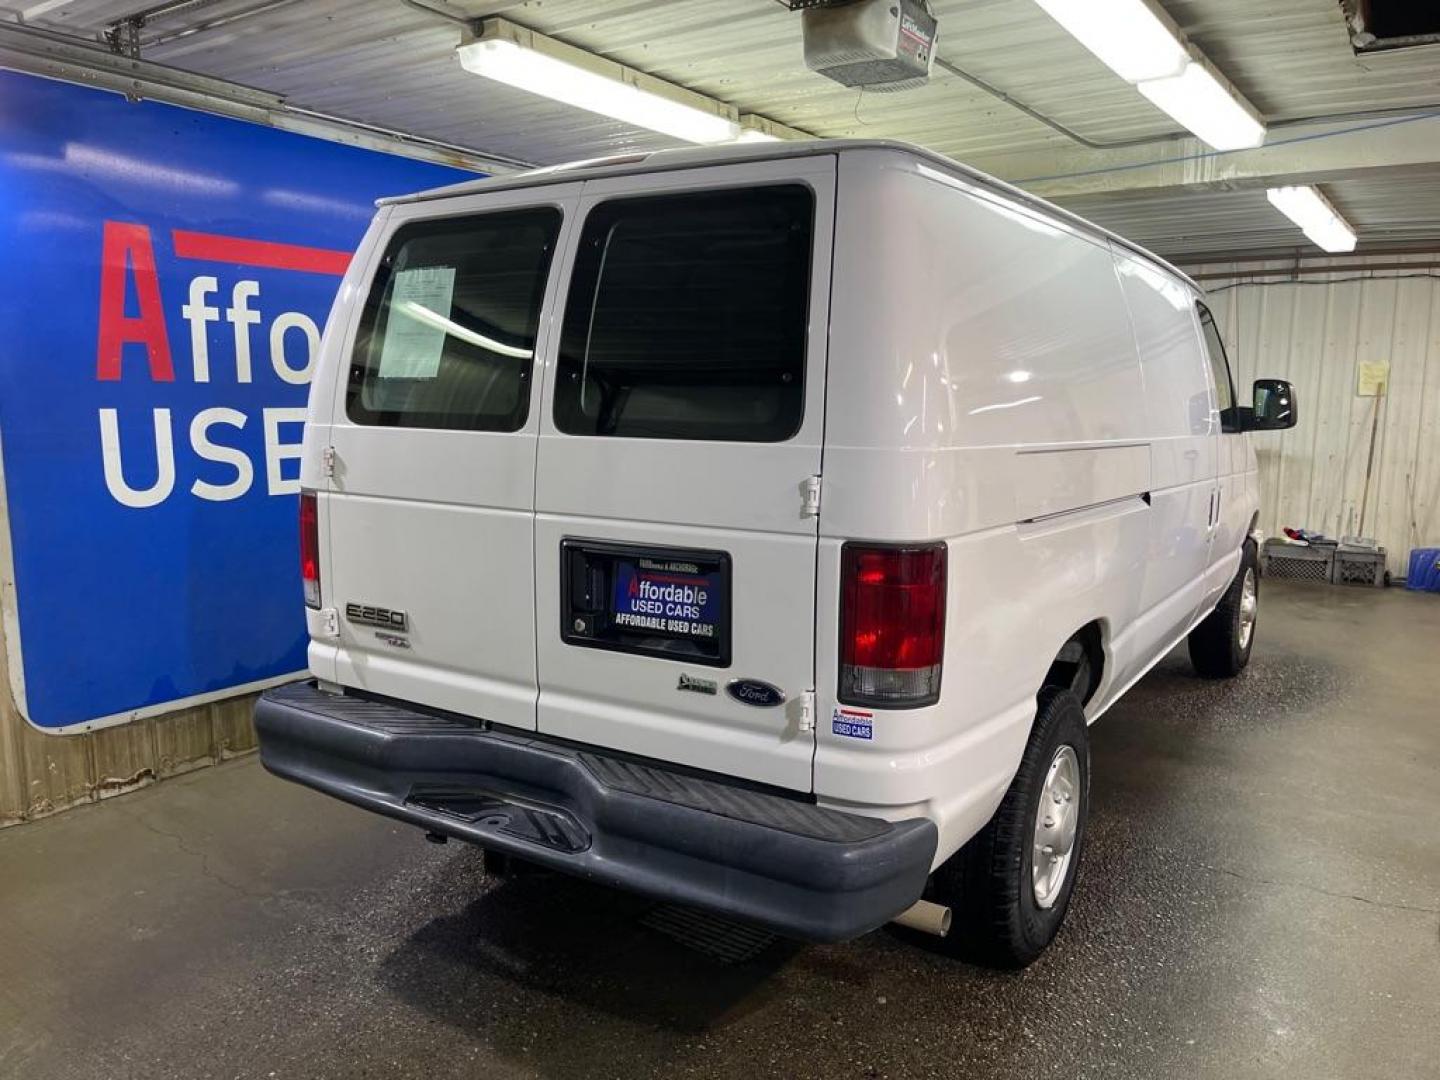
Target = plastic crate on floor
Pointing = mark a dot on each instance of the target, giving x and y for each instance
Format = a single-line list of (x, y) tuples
[(1358, 567), (1281, 560), (1424, 574)]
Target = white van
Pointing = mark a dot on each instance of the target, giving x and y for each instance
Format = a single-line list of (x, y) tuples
[(759, 529)]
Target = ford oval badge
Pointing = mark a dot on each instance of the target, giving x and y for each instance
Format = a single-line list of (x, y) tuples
[(754, 692)]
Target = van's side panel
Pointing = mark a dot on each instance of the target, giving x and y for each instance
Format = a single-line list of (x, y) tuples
[(1182, 429), (984, 390), (438, 523), (1238, 480)]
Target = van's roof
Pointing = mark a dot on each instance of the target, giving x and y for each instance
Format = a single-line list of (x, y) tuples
[(692, 157)]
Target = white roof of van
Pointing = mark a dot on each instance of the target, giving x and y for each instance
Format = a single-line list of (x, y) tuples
[(692, 157)]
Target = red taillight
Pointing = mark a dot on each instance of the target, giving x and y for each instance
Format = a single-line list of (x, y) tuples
[(892, 625), (310, 548)]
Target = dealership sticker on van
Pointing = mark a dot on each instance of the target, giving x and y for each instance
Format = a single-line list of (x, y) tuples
[(653, 596), (852, 723)]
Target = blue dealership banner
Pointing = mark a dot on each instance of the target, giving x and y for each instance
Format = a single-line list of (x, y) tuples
[(165, 279)]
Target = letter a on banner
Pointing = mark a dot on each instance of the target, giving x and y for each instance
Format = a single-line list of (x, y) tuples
[(129, 246)]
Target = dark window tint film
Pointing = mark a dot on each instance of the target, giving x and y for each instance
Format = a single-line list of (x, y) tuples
[(447, 338), (686, 317)]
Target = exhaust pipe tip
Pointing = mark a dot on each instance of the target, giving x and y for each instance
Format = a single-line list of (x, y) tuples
[(928, 918)]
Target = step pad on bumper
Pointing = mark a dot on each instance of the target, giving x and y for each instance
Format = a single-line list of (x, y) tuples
[(539, 825), (752, 854)]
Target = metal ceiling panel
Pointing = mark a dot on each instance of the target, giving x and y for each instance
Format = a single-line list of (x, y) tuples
[(1384, 209), (384, 62)]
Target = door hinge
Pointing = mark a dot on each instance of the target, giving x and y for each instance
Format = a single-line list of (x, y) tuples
[(810, 497), (331, 619), (806, 721), (327, 461)]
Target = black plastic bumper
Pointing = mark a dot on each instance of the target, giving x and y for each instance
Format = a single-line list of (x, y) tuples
[(785, 863)]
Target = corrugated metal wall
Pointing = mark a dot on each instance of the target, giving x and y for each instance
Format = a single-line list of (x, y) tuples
[(1314, 330), (42, 774)]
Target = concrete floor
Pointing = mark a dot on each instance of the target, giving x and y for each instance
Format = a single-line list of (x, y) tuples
[(1259, 898)]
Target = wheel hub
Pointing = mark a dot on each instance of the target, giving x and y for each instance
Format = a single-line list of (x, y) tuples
[(1056, 822), (1249, 607)]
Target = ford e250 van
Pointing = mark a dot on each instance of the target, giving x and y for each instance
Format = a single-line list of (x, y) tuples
[(760, 529)]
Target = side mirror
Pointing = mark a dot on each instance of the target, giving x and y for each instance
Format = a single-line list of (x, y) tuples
[(1274, 406)]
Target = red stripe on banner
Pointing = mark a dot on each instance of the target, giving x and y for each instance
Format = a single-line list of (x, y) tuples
[(233, 249)]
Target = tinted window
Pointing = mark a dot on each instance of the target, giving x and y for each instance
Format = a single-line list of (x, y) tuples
[(686, 318), (1219, 371), (448, 333)]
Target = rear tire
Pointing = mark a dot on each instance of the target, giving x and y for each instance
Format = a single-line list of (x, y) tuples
[(1220, 646), (1006, 914)]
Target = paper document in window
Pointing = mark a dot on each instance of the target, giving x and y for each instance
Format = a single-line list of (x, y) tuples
[(415, 331)]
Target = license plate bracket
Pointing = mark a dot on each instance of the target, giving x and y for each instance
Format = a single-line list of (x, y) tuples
[(669, 603)]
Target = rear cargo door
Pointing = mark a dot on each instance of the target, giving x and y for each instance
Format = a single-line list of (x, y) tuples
[(677, 483), (431, 502)]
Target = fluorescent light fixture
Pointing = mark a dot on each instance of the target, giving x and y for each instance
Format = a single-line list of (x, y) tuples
[(1199, 100), (1320, 221), (1126, 35), (1139, 42), (511, 54), (754, 129)]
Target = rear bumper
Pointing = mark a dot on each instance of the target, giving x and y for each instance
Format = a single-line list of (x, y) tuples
[(799, 869)]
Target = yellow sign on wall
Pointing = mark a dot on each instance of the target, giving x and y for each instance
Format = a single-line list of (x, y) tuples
[(1371, 377)]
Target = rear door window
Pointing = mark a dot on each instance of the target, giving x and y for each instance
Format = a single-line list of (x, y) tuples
[(447, 337), (687, 317)]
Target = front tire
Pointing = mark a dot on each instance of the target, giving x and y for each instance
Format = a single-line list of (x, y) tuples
[(1010, 886), (1220, 646)]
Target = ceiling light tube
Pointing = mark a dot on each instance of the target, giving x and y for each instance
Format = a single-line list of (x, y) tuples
[(1127, 36), (511, 54), (1202, 101), (1138, 41), (1319, 220)]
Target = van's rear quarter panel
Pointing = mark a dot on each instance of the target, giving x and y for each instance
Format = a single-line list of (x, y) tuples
[(983, 372)]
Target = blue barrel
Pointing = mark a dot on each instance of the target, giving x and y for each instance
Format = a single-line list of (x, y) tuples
[(1424, 573)]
